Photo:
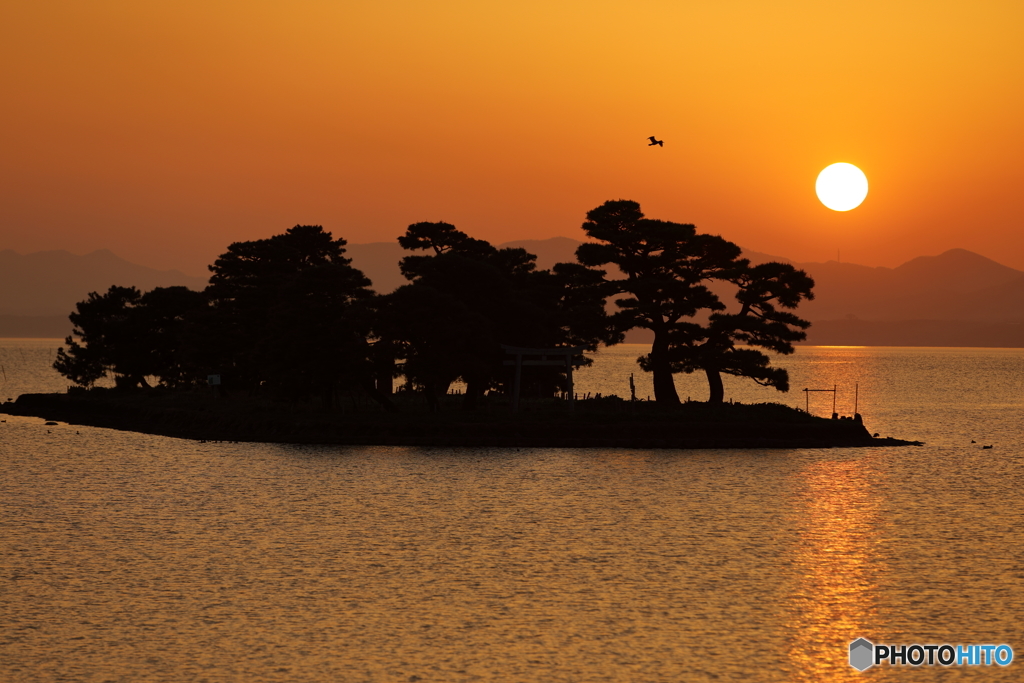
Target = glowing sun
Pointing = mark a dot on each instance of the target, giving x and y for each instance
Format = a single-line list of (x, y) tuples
[(841, 187)]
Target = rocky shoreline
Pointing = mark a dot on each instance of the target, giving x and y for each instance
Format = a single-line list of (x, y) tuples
[(600, 424)]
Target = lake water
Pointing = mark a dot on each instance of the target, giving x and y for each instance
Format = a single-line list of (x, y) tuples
[(128, 557)]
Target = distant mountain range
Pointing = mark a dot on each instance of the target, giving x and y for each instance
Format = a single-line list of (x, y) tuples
[(955, 285), (957, 298), (51, 282), (38, 291)]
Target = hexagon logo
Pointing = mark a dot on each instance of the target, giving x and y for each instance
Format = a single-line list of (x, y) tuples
[(861, 654)]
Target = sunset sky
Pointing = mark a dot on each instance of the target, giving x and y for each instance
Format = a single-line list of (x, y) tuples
[(164, 131)]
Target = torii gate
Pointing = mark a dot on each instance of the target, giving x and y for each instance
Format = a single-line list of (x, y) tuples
[(566, 353)]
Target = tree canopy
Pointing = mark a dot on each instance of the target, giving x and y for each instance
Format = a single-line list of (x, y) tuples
[(468, 298), (289, 313), (130, 336), (667, 267), (288, 316), (763, 291), (667, 271)]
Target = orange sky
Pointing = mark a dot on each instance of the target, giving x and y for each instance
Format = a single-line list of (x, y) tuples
[(166, 130)]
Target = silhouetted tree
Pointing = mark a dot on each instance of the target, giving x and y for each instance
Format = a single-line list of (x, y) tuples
[(129, 335), (162, 318), (761, 291), (441, 238), (316, 340), (570, 298), (666, 267), (288, 312), (101, 323), (468, 298), (435, 335)]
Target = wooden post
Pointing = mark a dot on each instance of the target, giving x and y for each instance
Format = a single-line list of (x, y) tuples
[(519, 379), (568, 381)]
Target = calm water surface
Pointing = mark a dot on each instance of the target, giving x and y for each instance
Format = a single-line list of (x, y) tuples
[(127, 557)]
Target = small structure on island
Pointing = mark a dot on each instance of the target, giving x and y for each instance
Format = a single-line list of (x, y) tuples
[(562, 356), (807, 401), (834, 391)]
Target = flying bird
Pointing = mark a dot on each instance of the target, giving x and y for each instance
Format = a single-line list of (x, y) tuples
[(654, 141)]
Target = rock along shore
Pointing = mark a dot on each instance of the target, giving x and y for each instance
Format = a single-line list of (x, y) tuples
[(594, 424)]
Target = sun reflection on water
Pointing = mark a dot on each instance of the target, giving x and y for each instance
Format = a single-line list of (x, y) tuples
[(834, 601)]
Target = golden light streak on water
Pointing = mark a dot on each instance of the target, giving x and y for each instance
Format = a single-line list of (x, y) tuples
[(835, 558)]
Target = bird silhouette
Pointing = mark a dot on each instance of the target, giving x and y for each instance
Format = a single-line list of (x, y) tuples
[(654, 141)]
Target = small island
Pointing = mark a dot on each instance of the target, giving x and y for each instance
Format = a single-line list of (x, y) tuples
[(289, 343), (608, 422)]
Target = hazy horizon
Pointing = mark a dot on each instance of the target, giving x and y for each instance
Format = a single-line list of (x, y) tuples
[(957, 298), (204, 272)]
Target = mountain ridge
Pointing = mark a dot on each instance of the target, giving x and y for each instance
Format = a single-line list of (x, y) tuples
[(51, 282), (852, 301)]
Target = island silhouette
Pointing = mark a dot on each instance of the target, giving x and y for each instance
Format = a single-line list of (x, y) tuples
[(289, 315), (288, 320)]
